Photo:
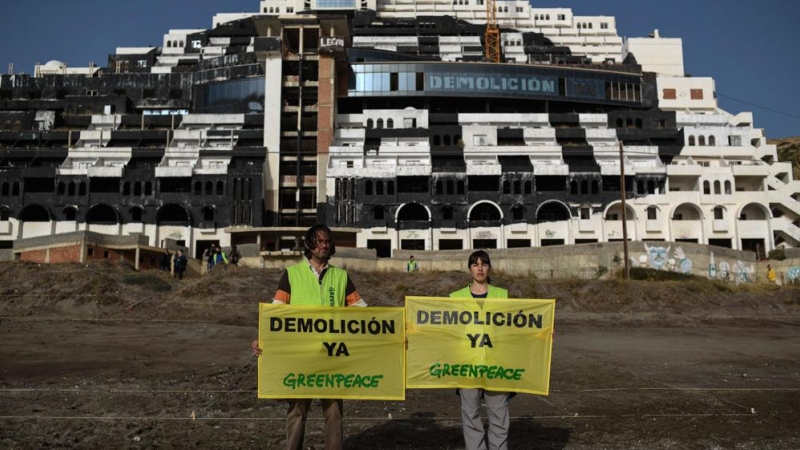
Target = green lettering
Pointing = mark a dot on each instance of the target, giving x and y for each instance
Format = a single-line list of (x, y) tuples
[(518, 374), (375, 380), (289, 381), (436, 370)]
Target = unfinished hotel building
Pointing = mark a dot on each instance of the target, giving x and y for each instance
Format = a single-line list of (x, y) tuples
[(384, 120)]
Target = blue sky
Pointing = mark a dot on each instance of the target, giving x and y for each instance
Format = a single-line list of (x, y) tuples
[(751, 49)]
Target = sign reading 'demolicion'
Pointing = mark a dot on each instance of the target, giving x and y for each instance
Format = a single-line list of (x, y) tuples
[(496, 344), (492, 82), (323, 352)]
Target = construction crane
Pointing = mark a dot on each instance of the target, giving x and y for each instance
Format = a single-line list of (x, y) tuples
[(492, 38)]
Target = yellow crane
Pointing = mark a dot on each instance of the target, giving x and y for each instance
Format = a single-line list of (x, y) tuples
[(492, 38)]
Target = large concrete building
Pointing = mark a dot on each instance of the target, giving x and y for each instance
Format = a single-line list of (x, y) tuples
[(384, 120)]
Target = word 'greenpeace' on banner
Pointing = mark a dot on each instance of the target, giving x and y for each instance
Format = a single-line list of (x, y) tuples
[(495, 344), (324, 352)]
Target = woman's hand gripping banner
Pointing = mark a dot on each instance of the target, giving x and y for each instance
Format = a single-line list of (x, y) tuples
[(495, 344)]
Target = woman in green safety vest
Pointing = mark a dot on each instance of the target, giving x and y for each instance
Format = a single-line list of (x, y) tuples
[(475, 438)]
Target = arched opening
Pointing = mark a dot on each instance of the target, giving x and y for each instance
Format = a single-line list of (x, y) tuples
[(389, 123), (552, 212), (517, 213), (528, 187), (220, 188), (71, 188), (368, 187), (173, 214), (706, 187), (208, 214), (460, 187), (413, 216), (379, 187), (439, 187), (652, 212), (369, 124), (754, 211), (717, 187), (126, 188), (573, 187), (378, 213), (727, 187), (614, 212), (450, 189), (35, 213), (390, 187), (712, 141), (447, 212), (701, 141), (380, 124), (70, 213), (82, 188), (148, 188), (209, 188), (517, 187), (136, 214), (687, 211), (102, 215), (5, 214), (506, 187), (483, 213), (15, 189), (691, 141), (719, 212), (137, 189), (595, 187), (60, 191)]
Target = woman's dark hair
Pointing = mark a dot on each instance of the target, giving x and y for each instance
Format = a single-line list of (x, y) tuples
[(479, 255), (312, 234)]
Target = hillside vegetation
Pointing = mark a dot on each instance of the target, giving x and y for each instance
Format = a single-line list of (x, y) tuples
[(789, 151), (231, 295)]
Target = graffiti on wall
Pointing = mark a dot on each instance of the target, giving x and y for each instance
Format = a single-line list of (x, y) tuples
[(659, 258), (793, 273), (675, 260), (739, 273)]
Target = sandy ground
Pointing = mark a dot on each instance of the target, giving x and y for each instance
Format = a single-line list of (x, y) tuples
[(96, 358)]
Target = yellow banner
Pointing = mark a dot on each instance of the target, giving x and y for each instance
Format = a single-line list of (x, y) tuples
[(323, 352), (496, 344)]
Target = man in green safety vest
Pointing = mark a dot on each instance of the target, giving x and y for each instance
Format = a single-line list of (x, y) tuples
[(412, 266), (314, 282)]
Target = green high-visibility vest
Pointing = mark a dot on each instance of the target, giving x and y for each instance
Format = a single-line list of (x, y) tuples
[(494, 292), (308, 290)]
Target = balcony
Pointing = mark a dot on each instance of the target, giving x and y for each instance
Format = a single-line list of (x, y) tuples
[(720, 226), (654, 226)]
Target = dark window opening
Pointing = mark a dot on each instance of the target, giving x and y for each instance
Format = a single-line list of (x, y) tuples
[(519, 243), (483, 183), (412, 185), (104, 185), (451, 244), (102, 214)]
